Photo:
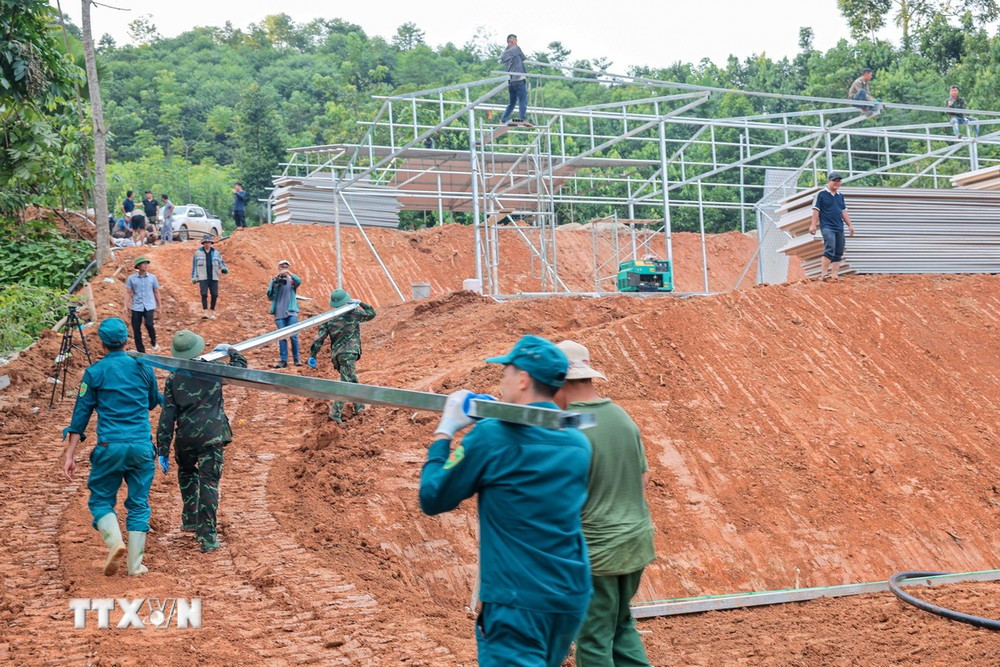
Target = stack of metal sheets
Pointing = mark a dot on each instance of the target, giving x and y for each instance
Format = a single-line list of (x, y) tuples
[(980, 179), (309, 201), (903, 230)]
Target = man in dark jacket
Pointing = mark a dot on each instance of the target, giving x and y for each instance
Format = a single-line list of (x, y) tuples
[(194, 405), (517, 85), (239, 205), (344, 333)]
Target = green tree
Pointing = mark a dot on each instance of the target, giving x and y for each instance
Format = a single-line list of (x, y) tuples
[(260, 148), (408, 36)]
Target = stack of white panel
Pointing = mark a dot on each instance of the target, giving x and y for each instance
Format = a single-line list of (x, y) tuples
[(309, 201), (902, 230), (980, 179)]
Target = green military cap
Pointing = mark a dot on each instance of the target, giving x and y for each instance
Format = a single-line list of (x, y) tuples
[(187, 344), (339, 298), (113, 332), (539, 358), (140, 260)]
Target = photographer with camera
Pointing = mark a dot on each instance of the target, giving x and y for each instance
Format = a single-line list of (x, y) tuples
[(285, 308)]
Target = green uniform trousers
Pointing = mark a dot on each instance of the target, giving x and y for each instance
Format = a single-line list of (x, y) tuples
[(199, 469), (347, 365), (513, 637), (608, 637)]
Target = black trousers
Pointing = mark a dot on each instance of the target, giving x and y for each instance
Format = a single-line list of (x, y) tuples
[(206, 287), (138, 317), (240, 217)]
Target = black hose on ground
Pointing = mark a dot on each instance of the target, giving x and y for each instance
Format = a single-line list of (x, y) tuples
[(894, 586)]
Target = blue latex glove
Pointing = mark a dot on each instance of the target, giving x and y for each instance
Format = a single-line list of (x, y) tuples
[(164, 463), (225, 270), (312, 362), (455, 418)]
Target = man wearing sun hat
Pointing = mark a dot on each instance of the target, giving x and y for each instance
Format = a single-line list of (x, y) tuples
[(206, 267), (194, 406), (142, 298), (616, 519), (122, 392), (532, 483), (344, 333)]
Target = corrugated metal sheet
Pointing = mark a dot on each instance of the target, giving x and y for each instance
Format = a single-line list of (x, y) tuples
[(309, 201)]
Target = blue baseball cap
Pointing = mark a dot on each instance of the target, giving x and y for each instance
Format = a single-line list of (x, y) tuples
[(539, 358), (113, 332)]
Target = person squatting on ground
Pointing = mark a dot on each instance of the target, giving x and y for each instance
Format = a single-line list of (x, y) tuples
[(859, 92), (344, 333), (195, 407), (167, 229), (123, 392), (239, 205), (829, 213), (206, 266), (142, 298), (517, 85), (532, 483), (285, 309), (958, 118), (616, 520)]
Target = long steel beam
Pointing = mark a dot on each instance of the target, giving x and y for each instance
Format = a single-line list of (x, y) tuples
[(721, 602), (278, 334), (300, 385)]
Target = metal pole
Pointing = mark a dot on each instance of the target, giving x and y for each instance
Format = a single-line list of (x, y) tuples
[(664, 178), (372, 248), (743, 210), (474, 163), (701, 221), (336, 231), (440, 201)]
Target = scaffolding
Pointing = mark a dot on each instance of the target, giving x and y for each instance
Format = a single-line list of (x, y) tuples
[(648, 157)]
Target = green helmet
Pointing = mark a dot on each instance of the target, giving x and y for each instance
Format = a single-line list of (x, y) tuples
[(339, 298)]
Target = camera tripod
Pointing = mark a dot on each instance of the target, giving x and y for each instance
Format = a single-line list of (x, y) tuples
[(66, 352)]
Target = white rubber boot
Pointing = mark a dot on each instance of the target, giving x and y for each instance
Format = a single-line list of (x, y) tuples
[(136, 550), (107, 525)]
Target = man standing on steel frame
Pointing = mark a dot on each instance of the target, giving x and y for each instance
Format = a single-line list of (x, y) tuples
[(829, 213), (532, 484), (344, 333), (195, 406), (517, 85), (616, 520), (123, 392)]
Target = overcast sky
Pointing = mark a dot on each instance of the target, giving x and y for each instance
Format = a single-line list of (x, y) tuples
[(643, 32)]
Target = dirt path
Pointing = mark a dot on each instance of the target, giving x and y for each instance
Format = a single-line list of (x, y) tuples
[(835, 431)]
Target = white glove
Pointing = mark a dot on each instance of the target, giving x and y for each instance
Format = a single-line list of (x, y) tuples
[(454, 418)]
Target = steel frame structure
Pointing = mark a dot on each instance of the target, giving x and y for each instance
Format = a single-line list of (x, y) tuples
[(645, 156)]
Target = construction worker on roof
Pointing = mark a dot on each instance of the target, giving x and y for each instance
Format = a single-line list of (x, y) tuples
[(344, 333), (532, 483), (194, 405), (616, 519), (123, 392)]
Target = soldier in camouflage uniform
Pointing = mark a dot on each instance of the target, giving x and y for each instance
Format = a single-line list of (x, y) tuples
[(195, 406), (345, 344)]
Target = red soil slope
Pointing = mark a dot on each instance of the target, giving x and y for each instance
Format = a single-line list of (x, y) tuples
[(831, 432)]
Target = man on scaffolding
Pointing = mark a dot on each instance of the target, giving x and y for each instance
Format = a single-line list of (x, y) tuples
[(517, 85)]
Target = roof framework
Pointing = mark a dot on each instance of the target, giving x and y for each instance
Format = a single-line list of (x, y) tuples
[(659, 153)]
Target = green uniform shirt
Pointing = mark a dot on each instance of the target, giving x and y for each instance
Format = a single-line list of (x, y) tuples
[(195, 406), (344, 333), (616, 520)]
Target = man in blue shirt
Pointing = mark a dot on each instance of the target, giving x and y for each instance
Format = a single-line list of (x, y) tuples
[(123, 392), (829, 213), (239, 205), (128, 205), (285, 309), (532, 484), (142, 297)]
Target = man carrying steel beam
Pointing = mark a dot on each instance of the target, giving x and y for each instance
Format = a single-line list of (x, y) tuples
[(829, 213), (344, 333), (123, 393), (195, 406), (616, 520), (532, 484)]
